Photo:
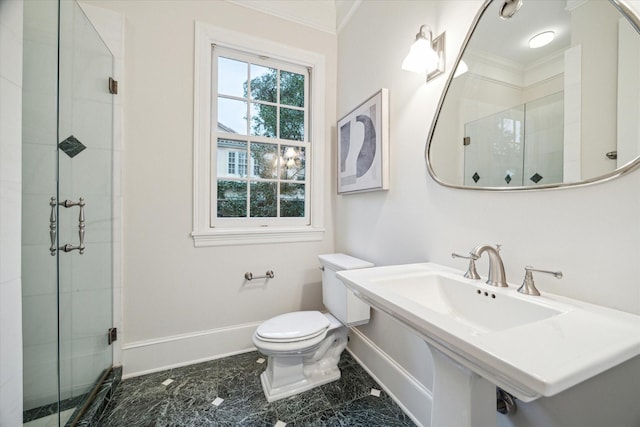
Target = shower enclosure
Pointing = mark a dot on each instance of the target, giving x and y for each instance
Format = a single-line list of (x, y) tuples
[(67, 220)]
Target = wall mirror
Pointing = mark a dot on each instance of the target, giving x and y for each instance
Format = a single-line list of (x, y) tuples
[(543, 94)]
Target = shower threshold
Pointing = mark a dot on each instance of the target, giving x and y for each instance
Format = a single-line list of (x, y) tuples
[(80, 411)]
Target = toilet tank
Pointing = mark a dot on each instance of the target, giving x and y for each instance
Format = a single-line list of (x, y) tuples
[(337, 298)]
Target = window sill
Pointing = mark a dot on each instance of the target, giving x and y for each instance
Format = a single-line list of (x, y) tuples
[(256, 236)]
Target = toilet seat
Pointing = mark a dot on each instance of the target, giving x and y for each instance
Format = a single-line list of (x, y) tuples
[(294, 327)]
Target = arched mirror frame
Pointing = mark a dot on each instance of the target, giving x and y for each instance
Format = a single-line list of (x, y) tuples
[(634, 20)]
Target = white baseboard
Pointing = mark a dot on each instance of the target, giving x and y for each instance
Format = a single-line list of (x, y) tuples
[(144, 357), (413, 397)]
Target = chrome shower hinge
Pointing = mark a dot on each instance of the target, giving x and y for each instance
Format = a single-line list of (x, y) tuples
[(113, 86), (112, 335)]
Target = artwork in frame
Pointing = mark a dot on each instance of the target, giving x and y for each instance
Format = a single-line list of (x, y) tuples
[(363, 146)]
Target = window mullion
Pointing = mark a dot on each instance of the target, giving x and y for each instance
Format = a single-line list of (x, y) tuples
[(278, 130), (248, 181), (248, 99)]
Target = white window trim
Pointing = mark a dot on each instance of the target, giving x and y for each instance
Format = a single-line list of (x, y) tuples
[(203, 234)]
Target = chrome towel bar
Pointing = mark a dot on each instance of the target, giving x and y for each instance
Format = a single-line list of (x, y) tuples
[(268, 275)]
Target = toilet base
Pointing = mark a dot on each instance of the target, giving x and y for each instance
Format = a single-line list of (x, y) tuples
[(276, 393), (287, 375)]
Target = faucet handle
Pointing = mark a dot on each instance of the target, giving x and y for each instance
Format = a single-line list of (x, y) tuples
[(471, 270), (528, 286)]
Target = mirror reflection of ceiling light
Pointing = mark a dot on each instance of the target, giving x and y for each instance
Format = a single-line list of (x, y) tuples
[(541, 39)]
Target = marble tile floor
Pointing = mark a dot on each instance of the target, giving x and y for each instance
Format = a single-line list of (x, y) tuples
[(227, 392), (51, 410), (51, 420)]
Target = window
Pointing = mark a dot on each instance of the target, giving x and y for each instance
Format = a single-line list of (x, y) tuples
[(261, 107), (231, 163), (259, 143), (236, 161)]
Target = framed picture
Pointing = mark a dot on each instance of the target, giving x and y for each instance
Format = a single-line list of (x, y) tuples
[(363, 146)]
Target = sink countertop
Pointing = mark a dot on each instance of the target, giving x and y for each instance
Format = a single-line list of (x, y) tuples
[(573, 343)]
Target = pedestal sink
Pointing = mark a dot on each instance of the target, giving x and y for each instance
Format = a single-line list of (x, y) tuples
[(482, 336)]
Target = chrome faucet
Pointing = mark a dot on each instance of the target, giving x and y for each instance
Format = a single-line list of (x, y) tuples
[(496, 277), (528, 286), (471, 270)]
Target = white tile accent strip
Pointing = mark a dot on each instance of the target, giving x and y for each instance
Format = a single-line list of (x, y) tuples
[(280, 424), (375, 392), (217, 402), (167, 382), (261, 360)]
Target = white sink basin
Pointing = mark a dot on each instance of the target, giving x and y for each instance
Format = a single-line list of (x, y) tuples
[(529, 346), (480, 309)]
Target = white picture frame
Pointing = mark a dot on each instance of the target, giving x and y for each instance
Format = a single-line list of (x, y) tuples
[(363, 146)]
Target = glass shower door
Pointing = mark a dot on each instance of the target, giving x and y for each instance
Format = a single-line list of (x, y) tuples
[(67, 210), (494, 149), (85, 229)]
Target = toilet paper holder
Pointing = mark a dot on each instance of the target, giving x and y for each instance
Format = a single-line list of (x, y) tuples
[(268, 275)]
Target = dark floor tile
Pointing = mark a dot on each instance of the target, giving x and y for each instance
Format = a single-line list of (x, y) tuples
[(346, 359), (241, 365), (354, 383), (201, 370), (301, 405), (135, 413), (187, 401), (240, 411), (370, 411), (327, 418)]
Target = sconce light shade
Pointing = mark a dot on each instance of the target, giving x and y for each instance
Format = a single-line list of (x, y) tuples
[(426, 54), (421, 57)]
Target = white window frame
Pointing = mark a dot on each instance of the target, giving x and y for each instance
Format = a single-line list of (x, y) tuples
[(203, 233)]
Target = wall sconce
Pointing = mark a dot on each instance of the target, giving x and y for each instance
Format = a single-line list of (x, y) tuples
[(426, 54)]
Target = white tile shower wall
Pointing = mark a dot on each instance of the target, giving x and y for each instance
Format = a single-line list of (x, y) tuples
[(418, 220), (11, 14), (39, 299), (543, 139), (572, 113)]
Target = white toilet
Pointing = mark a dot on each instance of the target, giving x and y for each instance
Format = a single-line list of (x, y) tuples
[(304, 347)]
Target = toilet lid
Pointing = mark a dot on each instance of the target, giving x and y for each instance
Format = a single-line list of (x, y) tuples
[(296, 326)]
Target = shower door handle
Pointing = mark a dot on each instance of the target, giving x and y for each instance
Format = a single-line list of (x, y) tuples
[(52, 226), (81, 223)]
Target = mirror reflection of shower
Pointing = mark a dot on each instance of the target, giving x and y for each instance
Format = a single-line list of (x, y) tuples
[(521, 146)]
